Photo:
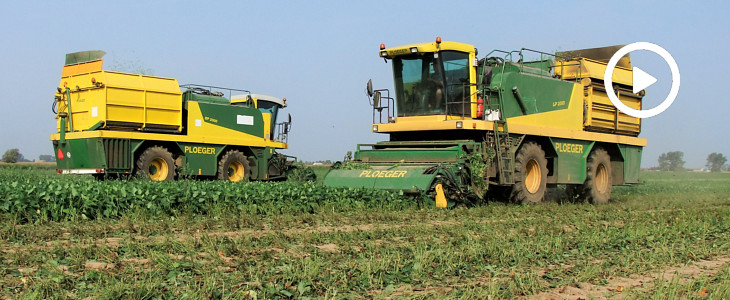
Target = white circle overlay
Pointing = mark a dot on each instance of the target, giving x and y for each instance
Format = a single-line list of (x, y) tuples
[(608, 79)]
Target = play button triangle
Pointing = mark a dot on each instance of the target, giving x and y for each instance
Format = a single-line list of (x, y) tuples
[(642, 80)]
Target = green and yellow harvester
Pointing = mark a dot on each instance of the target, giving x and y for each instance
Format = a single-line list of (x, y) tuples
[(112, 123), (460, 125)]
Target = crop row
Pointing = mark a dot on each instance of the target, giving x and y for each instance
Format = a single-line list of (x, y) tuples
[(29, 197)]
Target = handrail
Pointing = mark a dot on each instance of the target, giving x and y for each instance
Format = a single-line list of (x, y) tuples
[(389, 107), (68, 107), (282, 132)]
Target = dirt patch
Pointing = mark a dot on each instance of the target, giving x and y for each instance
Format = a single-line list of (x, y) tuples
[(98, 266), (137, 261), (408, 291), (618, 286), (331, 248), (110, 242)]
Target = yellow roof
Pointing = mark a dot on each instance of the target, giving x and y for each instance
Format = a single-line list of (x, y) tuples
[(428, 47)]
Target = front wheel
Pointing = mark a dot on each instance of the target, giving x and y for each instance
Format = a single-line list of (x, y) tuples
[(530, 174), (599, 181), (156, 164), (234, 167)]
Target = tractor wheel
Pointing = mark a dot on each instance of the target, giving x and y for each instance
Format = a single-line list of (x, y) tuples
[(234, 167), (599, 181), (530, 174), (156, 164)]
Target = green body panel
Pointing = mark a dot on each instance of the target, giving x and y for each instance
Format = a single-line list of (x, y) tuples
[(200, 159), (632, 163), (109, 154), (415, 152), (410, 155), (80, 154), (228, 116), (538, 90), (570, 163), (395, 178)]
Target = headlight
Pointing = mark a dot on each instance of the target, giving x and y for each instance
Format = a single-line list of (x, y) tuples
[(375, 128), (459, 124)]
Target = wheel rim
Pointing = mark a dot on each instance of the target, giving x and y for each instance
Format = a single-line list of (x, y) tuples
[(158, 169), (602, 182), (235, 171), (533, 175)]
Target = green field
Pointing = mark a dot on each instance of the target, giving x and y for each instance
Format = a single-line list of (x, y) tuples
[(76, 238)]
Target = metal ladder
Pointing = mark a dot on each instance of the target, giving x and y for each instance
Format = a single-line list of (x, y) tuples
[(504, 153), (500, 134)]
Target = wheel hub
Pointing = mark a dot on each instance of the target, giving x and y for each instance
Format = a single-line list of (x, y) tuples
[(158, 169), (235, 171), (602, 179), (533, 175)]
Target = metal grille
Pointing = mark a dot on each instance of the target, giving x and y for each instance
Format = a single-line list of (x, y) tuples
[(118, 154)]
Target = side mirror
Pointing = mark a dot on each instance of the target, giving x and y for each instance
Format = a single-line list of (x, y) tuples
[(289, 119), (376, 100), (370, 88)]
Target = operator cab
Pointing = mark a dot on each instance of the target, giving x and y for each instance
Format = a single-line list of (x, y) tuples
[(265, 103), (432, 78), (431, 83)]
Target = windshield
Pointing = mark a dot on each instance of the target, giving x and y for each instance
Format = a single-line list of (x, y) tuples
[(420, 88), (272, 108)]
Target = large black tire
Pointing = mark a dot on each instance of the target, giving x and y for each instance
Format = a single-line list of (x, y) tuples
[(599, 181), (156, 164), (530, 174), (234, 167)]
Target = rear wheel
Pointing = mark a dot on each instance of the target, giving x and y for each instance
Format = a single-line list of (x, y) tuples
[(156, 164), (599, 181), (234, 167), (530, 174)]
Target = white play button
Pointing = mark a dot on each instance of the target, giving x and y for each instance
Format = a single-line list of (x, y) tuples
[(642, 80)]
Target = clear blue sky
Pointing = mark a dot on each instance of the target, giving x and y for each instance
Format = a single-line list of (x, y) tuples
[(320, 54)]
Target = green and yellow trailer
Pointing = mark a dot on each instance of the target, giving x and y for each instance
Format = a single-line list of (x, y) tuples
[(119, 124), (460, 126)]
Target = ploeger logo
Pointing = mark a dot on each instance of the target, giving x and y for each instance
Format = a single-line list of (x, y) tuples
[(398, 51), (383, 174), (199, 150), (570, 148)]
